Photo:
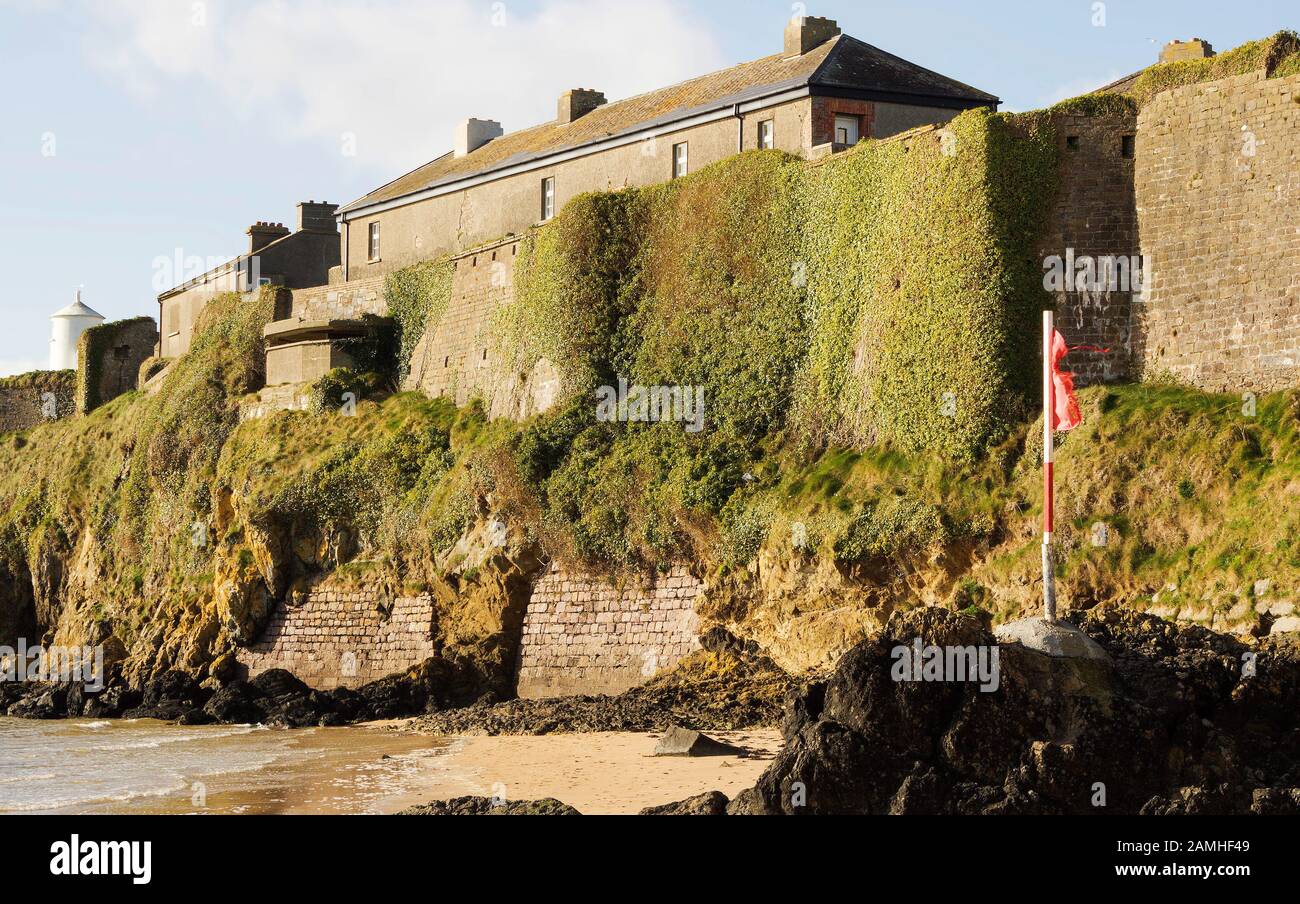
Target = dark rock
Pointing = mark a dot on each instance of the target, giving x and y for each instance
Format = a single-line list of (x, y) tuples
[(10, 693), (1171, 725), (712, 804), (111, 703), (196, 717), (485, 806), (678, 741), (718, 693), (278, 683), (803, 706), (236, 704), (43, 702), (169, 698)]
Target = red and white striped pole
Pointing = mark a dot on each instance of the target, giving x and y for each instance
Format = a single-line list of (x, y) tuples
[(1049, 405)]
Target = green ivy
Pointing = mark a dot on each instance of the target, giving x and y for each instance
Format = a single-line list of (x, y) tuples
[(416, 297)]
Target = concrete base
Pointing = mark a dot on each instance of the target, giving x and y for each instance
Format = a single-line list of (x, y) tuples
[(1055, 639)]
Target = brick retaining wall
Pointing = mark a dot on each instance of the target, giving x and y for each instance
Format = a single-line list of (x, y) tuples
[(583, 635), (341, 638)]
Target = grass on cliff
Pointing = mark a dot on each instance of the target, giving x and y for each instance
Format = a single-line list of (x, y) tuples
[(119, 490)]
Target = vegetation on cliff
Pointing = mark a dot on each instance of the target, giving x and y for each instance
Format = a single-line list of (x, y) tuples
[(863, 331)]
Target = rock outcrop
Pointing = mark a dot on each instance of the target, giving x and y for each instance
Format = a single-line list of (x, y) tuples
[(486, 806), (1182, 720)]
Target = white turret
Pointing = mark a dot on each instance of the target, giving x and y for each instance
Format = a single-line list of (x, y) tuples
[(68, 325)]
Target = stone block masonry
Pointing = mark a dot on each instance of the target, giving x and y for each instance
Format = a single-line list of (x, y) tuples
[(344, 637), (1095, 215), (457, 356), (1218, 195), (585, 635), (347, 301), (30, 399), (109, 358)]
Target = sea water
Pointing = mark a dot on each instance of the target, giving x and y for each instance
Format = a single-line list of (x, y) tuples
[(143, 766)]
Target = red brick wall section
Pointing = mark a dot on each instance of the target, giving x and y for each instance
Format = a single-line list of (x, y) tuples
[(824, 110), (584, 635), (344, 638)]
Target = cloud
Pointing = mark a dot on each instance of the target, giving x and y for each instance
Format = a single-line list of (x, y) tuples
[(396, 74)]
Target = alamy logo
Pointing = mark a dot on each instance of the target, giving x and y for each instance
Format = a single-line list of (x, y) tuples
[(103, 858), (920, 662), (651, 404), (52, 665), (1095, 275)]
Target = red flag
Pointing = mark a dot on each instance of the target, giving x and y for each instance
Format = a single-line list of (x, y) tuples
[(1065, 408)]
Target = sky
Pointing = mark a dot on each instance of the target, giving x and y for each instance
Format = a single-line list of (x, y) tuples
[(141, 134)]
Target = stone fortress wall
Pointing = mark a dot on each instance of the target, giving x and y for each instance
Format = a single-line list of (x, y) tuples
[(1218, 195)]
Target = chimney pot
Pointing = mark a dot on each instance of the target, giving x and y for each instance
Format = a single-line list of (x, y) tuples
[(472, 134), (1178, 51), (805, 33), (578, 103)]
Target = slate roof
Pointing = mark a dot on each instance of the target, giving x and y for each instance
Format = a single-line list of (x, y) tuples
[(842, 64)]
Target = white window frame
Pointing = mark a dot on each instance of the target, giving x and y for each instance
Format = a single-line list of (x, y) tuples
[(548, 198), (373, 247), (681, 159), (767, 134), (856, 122)]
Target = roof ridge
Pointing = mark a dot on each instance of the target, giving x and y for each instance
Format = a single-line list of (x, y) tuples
[(893, 56)]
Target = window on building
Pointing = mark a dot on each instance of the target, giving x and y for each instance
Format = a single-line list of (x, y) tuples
[(1127, 147), (681, 159), (848, 129), (765, 135), (1072, 142), (374, 241), (548, 198)]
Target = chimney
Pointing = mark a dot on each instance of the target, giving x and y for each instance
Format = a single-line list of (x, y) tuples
[(578, 103), (805, 33), (317, 217), (1178, 51), (472, 134), (262, 234)]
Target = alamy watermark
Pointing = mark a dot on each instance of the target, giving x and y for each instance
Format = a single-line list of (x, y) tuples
[(1096, 275), (922, 662), (651, 404), (53, 665)]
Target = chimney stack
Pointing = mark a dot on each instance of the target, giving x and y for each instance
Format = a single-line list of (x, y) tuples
[(262, 234), (317, 217), (805, 33), (472, 134), (1178, 51), (578, 103)]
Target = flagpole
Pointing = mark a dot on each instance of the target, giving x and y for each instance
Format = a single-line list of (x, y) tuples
[(1049, 496)]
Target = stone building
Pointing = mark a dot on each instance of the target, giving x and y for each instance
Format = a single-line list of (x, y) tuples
[(276, 255), (824, 90)]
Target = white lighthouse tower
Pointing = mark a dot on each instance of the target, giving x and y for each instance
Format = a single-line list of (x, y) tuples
[(68, 325)]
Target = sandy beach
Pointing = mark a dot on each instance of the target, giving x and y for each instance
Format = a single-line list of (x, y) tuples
[(597, 774), (146, 767)]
